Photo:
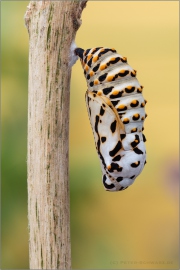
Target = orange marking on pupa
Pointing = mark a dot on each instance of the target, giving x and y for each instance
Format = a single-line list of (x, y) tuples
[(122, 71), (103, 67), (99, 93), (124, 58), (110, 78), (96, 82), (109, 167), (115, 92), (112, 59), (95, 58), (89, 56), (91, 73), (86, 67), (121, 107)]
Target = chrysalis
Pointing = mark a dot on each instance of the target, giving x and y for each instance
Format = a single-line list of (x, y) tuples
[(116, 111)]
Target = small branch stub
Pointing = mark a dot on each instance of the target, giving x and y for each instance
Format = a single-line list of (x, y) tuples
[(52, 26)]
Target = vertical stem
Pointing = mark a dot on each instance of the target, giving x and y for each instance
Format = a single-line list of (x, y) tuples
[(52, 26)]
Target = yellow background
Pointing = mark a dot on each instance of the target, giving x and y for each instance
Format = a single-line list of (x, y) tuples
[(133, 229)]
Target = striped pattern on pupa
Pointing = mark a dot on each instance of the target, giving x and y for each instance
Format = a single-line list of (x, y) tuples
[(116, 109)]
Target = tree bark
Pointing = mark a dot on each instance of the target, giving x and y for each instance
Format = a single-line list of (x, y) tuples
[(52, 26)]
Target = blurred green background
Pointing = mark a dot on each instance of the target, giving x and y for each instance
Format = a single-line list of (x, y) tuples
[(133, 229)]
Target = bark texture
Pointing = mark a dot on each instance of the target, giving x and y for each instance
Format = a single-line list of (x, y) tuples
[(52, 26)]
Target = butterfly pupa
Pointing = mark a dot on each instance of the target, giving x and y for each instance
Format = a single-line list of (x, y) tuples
[(116, 110)]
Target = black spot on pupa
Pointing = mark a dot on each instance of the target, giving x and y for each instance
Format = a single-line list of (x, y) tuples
[(123, 74), (125, 121), (96, 123), (117, 96), (86, 52), (85, 60), (102, 77), (103, 139), (90, 62), (136, 141), (132, 177), (107, 90), (144, 138), (114, 61), (136, 117), (124, 60), (115, 77), (115, 167), (115, 102), (139, 90), (133, 74), (91, 84), (102, 111), (133, 130), (138, 151), (96, 67), (116, 158), (105, 184), (135, 164), (122, 136), (113, 126), (113, 152), (129, 90), (119, 179), (134, 104), (122, 109)]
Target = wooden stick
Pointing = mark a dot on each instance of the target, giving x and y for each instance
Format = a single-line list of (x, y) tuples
[(52, 26)]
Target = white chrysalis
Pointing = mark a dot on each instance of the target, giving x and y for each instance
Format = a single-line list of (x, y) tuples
[(116, 111)]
